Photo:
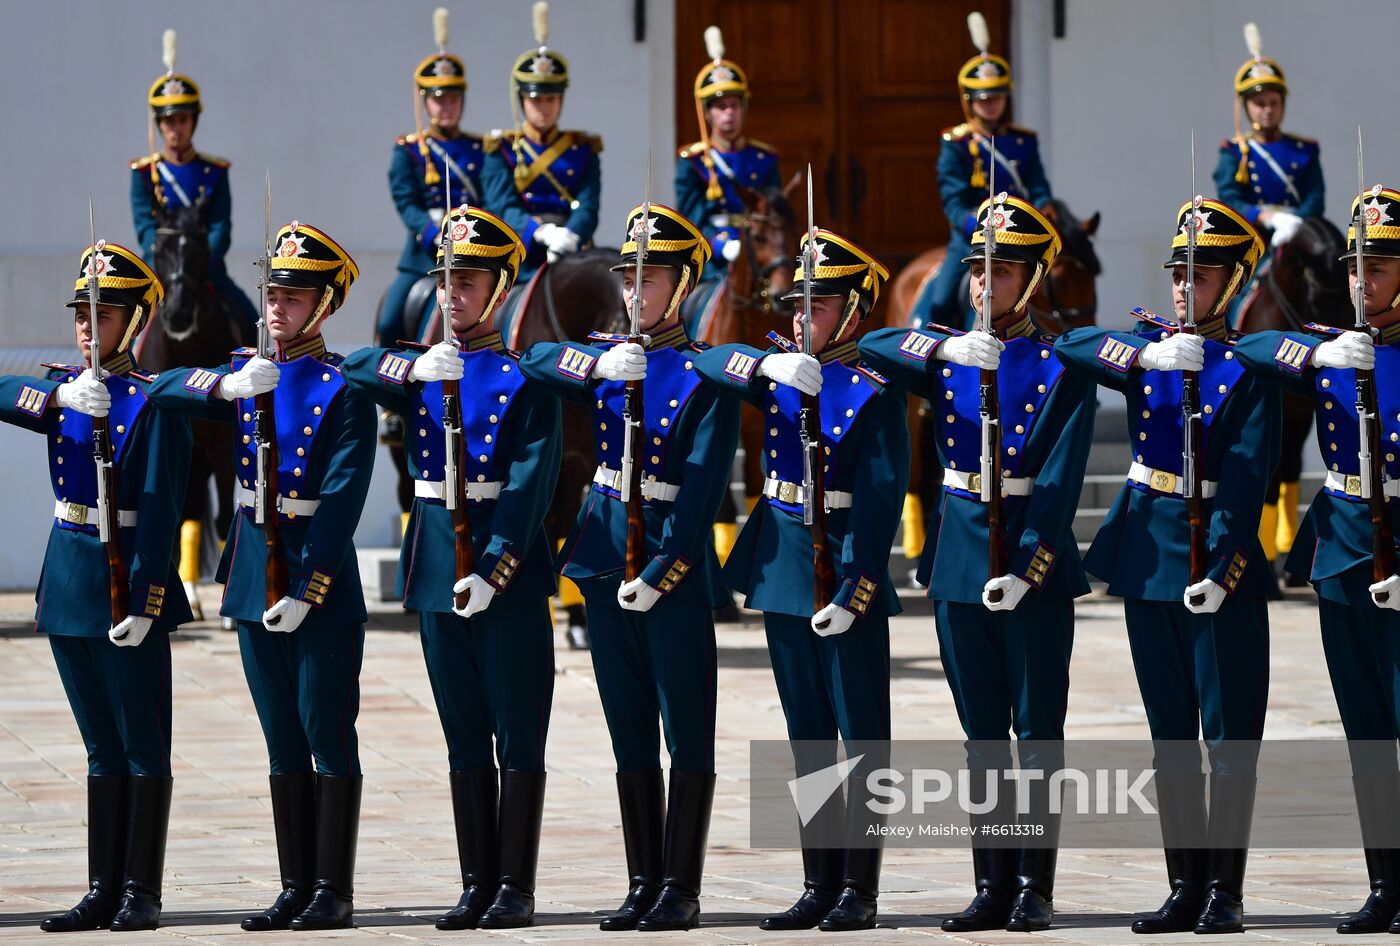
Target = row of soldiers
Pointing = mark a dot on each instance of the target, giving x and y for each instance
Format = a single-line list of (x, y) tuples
[(1200, 646)]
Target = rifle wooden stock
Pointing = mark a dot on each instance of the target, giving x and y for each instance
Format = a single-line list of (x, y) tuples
[(823, 570), (1382, 538), (117, 582), (276, 572), (634, 430), (464, 555)]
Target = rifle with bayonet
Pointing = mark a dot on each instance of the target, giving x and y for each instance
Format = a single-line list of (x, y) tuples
[(1191, 474), (989, 408), (809, 425), (630, 488), (1367, 411), (265, 506), (108, 531), (454, 492)]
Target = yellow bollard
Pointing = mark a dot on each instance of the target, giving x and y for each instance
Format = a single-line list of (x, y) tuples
[(913, 526), (1268, 530), (725, 535), (1288, 517), (191, 536), (403, 525)]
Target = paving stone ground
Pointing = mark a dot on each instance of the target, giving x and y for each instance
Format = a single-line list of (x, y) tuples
[(221, 862)]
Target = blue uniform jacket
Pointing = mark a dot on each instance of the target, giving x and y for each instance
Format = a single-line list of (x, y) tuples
[(963, 157), (562, 184), (1143, 548), (754, 166), (690, 436), (865, 439), (414, 198), (1296, 157), (1047, 430), (512, 437), (152, 459), (325, 451), (182, 185), (1336, 535)]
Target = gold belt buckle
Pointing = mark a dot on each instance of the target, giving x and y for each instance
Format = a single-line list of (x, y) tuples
[(1162, 481), (1352, 487), (974, 483), (787, 492), (76, 513)]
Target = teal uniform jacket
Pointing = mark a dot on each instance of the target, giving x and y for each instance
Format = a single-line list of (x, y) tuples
[(152, 454), (691, 433), (1047, 431), (512, 437), (865, 439), (414, 198), (325, 452), (1335, 537), (1143, 548), (1284, 173), (754, 166), (563, 184), (202, 177)]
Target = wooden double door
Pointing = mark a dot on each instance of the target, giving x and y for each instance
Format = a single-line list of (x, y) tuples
[(860, 88)]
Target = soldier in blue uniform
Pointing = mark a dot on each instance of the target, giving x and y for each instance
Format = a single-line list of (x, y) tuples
[(1200, 647), (545, 183), (179, 176), (1005, 639), (964, 163), (418, 174), (117, 678), (1360, 626), (1273, 179), (301, 655), (653, 637), (491, 663), (831, 664), (710, 172)]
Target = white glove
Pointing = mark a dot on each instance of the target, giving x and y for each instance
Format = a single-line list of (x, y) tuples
[(794, 369), (1213, 593), (1285, 225), (481, 591), (625, 362), (86, 395), (439, 363), (1390, 587), (832, 620), (436, 214), (130, 632), (1347, 350), (730, 249), (636, 595), (561, 241), (1179, 352), (973, 350), (1012, 590), (286, 615), (256, 377), (545, 232)]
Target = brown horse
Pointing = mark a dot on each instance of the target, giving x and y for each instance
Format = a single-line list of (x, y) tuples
[(1066, 299), (194, 328), (1302, 281)]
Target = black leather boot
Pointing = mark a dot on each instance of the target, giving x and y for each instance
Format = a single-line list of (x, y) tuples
[(856, 904), (642, 797), (677, 907), (474, 802), (1377, 798), (1181, 807), (990, 909), (1034, 906), (146, 831), (821, 869), (332, 905), (522, 809), (1231, 811), (294, 825), (106, 829)]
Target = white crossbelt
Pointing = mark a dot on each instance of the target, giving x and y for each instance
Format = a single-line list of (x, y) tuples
[(651, 489), (785, 492), (80, 515), (972, 483), (1163, 482), (1351, 485), (285, 504), (432, 489)]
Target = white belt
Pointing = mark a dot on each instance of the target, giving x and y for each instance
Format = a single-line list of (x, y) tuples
[(80, 515), (1351, 485), (972, 483), (785, 492), (432, 489), (651, 489), (285, 504), (1163, 482)]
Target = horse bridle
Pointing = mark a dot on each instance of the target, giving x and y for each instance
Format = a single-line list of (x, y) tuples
[(761, 298), (1074, 315)]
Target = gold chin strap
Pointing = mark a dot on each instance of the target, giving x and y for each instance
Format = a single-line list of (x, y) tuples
[(1229, 292), (319, 314), (1036, 278), (852, 307), (681, 285), (502, 286), (133, 328)]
